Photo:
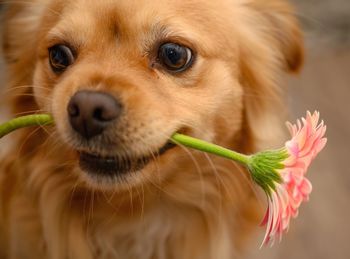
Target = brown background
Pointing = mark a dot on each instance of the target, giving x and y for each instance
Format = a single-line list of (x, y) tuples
[(322, 230)]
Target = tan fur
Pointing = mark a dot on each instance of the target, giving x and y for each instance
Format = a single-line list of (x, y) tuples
[(182, 205)]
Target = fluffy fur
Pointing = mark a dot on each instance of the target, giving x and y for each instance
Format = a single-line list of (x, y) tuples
[(184, 204)]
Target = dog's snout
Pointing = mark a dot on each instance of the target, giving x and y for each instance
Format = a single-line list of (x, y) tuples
[(90, 113)]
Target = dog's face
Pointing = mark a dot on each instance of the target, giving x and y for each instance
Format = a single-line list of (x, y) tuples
[(120, 77), (123, 76)]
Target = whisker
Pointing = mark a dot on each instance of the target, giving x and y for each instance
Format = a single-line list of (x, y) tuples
[(34, 96), (37, 111), (131, 198), (249, 182), (91, 207), (218, 177), (73, 192), (84, 213), (199, 171), (26, 139), (142, 201), (14, 88), (150, 180)]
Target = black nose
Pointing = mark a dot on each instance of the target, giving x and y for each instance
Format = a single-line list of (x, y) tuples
[(90, 113)]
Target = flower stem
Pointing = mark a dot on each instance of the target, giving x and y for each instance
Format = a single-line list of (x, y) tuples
[(25, 121), (179, 139), (209, 148)]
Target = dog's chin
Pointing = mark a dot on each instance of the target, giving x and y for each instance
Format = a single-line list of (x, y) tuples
[(115, 171)]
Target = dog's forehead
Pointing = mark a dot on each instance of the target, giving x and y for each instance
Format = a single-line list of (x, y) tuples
[(136, 6), (140, 22), (139, 15)]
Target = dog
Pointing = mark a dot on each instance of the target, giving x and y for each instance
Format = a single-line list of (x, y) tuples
[(120, 77)]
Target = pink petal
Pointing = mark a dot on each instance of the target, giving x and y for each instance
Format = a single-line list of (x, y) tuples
[(305, 187), (307, 141)]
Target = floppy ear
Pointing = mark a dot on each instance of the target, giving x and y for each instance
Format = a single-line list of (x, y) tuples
[(280, 18), (276, 24), (20, 25), (270, 44)]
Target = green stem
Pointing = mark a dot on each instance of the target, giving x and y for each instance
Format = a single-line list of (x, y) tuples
[(179, 139), (209, 148), (25, 121)]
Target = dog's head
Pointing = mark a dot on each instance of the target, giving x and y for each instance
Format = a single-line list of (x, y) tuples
[(120, 77)]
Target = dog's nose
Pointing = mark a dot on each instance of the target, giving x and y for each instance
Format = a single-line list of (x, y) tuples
[(90, 113)]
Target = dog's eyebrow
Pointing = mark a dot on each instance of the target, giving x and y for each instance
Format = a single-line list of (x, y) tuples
[(160, 32), (56, 36)]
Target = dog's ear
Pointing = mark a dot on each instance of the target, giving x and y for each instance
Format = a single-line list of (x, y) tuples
[(278, 19), (286, 30), (270, 43), (274, 24), (20, 24), (19, 36)]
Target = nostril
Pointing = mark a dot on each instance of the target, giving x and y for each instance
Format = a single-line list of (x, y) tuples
[(73, 110), (109, 111), (98, 114)]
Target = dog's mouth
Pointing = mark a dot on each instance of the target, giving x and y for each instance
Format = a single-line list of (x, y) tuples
[(115, 165)]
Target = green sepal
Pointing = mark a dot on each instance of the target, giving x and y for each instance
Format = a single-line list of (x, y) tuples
[(264, 167)]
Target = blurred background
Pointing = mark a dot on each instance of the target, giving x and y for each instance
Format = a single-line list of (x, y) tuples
[(322, 230)]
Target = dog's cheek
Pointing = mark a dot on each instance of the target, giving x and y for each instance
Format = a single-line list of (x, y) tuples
[(42, 87), (60, 96), (218, 100)]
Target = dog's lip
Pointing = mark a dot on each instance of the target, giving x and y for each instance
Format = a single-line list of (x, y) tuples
[(115, 165)]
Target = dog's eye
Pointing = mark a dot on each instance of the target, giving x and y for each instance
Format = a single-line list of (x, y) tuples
[(61, 57), (174, 57)]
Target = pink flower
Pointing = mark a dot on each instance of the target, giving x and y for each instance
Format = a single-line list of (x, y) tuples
[(284, 201)]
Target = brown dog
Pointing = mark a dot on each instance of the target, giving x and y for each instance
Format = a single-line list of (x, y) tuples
[(120, 77)]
